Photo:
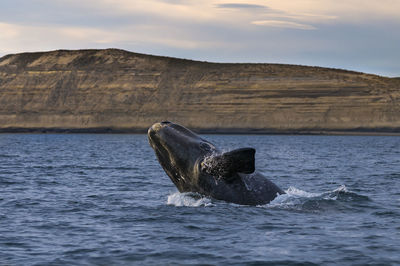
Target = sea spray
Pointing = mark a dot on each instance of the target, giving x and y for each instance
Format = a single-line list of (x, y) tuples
[(189, 199)]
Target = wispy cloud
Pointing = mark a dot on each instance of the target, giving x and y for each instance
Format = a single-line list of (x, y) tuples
[(8, 31), (19, 38), (241, 6), (301, 31), (283, 24)]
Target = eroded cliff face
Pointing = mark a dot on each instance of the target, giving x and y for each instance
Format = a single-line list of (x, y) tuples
[(100, 90)]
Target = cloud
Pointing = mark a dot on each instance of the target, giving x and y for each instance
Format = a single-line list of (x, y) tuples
[(8, 31), (176, 10), (21, 38), (283, 24), (320, 32), (350, 11), (241, 6)]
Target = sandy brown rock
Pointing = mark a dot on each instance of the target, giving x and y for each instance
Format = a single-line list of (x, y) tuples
[(100, 90)]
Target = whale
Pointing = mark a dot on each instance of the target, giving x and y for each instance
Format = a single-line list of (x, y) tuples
[(196, 165)]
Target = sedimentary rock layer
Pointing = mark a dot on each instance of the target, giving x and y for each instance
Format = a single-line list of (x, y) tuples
[(120, 91)]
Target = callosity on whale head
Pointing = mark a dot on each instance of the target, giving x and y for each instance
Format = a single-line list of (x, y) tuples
[(196, 165)]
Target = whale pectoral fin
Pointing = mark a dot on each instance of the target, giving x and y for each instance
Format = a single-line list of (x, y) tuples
[(241, 160), (226, 165)]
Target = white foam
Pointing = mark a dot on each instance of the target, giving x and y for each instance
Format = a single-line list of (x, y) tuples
[(188, 200), (342, 188), (333, 195), (295, 196), (292, 191)]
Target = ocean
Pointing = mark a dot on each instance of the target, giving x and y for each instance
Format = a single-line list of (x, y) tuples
[(98, 199)]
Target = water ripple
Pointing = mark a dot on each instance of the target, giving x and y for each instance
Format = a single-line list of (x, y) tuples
[(79, 199)]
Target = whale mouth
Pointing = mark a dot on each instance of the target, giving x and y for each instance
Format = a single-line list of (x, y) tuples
[(158, 136), (177, 149)]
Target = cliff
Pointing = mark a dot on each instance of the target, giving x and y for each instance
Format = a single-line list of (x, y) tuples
[(120, 91)]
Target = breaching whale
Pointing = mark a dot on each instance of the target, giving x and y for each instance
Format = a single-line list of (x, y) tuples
[(196, 165)]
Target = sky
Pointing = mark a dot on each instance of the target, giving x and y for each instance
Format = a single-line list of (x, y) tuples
[(360, 35)]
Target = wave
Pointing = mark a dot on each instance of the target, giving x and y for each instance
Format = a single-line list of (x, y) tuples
[(189, 199), (293, 193), (297, 199), (294, 199)]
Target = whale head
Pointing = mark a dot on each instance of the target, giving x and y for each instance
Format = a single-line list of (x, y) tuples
[(191, 162), (179, 152)]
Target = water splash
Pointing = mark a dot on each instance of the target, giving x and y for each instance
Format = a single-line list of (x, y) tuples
[(342, 188), (292, 191), (294, 199), (297, 199), (189, 199)]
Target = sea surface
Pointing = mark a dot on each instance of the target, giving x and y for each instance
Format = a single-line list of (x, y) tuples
[(77, 199)]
